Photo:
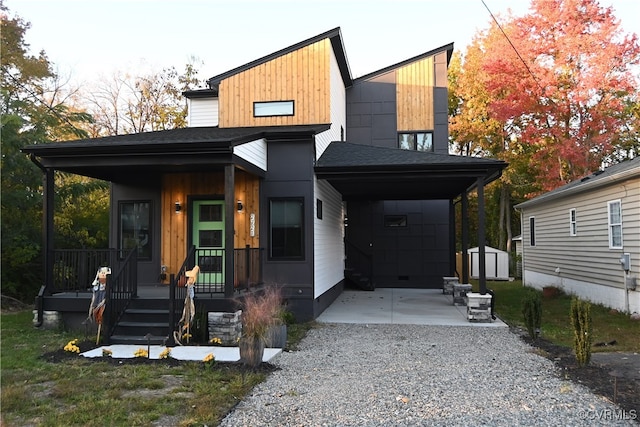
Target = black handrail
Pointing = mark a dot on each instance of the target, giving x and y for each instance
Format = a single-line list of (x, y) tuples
[(74, 269), (121, 288), (363, 261)]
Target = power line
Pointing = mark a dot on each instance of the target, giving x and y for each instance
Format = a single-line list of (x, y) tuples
[(514, 48)]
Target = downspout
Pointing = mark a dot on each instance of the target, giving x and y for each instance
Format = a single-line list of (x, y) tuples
[(40, 297)]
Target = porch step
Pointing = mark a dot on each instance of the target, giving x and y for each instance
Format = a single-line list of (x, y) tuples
[(138, 340)]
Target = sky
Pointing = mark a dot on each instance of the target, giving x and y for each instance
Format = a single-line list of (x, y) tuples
[(86, 39)]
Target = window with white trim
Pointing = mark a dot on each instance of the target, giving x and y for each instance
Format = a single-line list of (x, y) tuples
[(573, 227), (614, 209)]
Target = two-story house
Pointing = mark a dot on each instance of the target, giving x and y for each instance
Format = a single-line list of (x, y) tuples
[(291, 172)]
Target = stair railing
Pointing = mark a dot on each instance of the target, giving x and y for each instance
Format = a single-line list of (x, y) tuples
[(357, 258), (121, 288), (178, 292)]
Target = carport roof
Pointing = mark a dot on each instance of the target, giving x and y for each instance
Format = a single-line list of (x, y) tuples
[(367, 172)]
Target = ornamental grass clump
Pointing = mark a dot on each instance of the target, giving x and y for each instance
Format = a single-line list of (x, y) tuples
[(261, 311), (582, 330)]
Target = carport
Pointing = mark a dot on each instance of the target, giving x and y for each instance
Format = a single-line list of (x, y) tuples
[(361, 172)]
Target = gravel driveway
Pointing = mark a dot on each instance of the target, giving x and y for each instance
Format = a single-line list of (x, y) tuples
[(411, 375)]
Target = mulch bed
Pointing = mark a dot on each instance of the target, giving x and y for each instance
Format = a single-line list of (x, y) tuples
[(61, 356), (619, 389)]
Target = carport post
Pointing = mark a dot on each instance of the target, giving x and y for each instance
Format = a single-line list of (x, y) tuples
[(465, 238), (481, 238)]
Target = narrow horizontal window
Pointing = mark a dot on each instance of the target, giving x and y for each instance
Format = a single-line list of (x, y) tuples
[(418, 141), (273, 108), (395, 220)]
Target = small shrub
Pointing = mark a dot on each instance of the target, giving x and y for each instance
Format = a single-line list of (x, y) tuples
[(532, 312), (582, 328)]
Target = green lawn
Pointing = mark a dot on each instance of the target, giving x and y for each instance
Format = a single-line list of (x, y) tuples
[(608, 325), (83, 392)]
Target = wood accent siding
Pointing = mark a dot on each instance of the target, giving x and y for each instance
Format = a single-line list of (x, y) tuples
[(178, 187), (414, 95), (586, 256), (301, 76)]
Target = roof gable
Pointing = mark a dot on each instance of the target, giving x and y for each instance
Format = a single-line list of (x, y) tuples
[(334, 35)]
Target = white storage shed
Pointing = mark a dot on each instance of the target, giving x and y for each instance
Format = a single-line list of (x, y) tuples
[(496, 263)]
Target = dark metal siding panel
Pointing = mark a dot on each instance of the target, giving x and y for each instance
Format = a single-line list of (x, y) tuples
[(148, 270), (415, 256), (441, 120), (371, 112), (290, 174)]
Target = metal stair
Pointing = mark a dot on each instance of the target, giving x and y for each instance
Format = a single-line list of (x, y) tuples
[(145, 321), (358, 279)]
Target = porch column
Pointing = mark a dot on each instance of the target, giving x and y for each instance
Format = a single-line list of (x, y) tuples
[(481, 237), (452, 238), (229, 213), (47, 223), (465, 238)]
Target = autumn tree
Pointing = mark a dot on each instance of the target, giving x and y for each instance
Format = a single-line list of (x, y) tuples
[(34, 109), (563, 84), (552, 93), (125, 103)]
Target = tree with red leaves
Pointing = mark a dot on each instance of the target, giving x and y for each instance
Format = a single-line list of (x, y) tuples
[(563, 80)]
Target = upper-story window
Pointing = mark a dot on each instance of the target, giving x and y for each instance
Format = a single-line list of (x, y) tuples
[(273, 108), (420, 141)]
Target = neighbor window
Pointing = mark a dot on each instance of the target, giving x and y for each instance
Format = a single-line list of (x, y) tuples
[(615, 224), (532, 231), (134, 228), (286, 228), (273, 108), (419, 141), (573, 230)]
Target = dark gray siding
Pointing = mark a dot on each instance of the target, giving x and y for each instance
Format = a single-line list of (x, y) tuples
[(148, 270), (290, 174), (415, 256), (371, 112)]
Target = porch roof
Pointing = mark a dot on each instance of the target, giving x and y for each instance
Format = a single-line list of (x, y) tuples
[(367, 172), (144, 155)]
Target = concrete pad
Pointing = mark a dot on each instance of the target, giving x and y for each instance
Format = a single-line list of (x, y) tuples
[(191, 352), (399, 306)]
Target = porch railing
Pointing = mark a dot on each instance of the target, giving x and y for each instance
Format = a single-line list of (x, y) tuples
[(121, 288), (75, 269)]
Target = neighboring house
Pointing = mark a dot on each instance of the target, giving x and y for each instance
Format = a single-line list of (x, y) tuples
[(575, 236), (291, 172)]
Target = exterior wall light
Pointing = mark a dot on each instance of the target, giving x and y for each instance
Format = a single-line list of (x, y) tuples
[(178, 207), (240, 206)]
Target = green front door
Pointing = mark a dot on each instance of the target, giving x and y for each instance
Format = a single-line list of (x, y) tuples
[(208, 238)]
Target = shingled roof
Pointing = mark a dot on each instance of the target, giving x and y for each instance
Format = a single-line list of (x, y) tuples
[(367, 172), (614, 173)]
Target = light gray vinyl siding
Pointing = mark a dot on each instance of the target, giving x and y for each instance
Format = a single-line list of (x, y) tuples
[(255, 152), (585, 256), (203, 112)]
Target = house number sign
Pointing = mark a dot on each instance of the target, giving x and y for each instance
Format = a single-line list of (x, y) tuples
[(252, 225)]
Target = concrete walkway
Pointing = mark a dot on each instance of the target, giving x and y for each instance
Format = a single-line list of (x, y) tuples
[(399, 306)]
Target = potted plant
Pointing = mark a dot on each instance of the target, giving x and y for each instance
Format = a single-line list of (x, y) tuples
[(261, 310)]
